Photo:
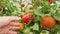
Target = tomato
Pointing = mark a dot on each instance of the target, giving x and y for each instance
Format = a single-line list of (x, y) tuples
[(22, 4), (22, 14), (21, 26), (27, 18), (0, 8), (50, 1), (31, 7), (48, 22)]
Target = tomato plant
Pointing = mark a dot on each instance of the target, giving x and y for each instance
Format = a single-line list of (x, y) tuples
[(39, 16)]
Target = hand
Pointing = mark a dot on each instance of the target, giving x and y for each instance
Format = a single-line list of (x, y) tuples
[(7, 24)]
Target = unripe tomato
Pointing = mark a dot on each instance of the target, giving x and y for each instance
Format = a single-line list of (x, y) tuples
[(22, 14), (48, 22), (31, 7), (0, 8), (21, 26), (50, 1), (27, 18), (22, 4)]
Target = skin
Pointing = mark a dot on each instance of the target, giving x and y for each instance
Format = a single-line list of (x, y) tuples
[(7, 24), (48, 22)]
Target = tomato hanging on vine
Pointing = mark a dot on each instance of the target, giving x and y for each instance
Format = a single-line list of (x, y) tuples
[(27, 18), (48, 22)]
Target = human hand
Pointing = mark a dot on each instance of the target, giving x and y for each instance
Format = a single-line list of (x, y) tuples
[(7, 24)]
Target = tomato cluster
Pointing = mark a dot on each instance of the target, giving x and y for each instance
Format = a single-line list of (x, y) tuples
[(46, 22)]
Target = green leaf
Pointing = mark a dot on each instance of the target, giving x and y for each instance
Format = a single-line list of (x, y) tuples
[(55, 29), (46, 4), (58, 32), (57, 16), (43, 32), (26, 31), (35, 27)]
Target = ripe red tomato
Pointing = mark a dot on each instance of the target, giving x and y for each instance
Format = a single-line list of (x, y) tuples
[(50, 1), (48, 22), (27, 18)]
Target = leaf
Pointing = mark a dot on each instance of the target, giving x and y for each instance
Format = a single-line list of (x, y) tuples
[(58, 32), (26, 31), (57, 16), (35, 27), (36, 32), (46, 4), (44, 32), (55, 29)]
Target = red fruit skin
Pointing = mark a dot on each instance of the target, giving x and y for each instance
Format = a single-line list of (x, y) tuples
[(48, 22), (26, 18), (50, 1)]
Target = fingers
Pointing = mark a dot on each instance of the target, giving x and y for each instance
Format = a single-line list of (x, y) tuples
[(14, 24), (14, 18), (4, 31), (14, 28), (6, 20), (12, 32), (8, 32)]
